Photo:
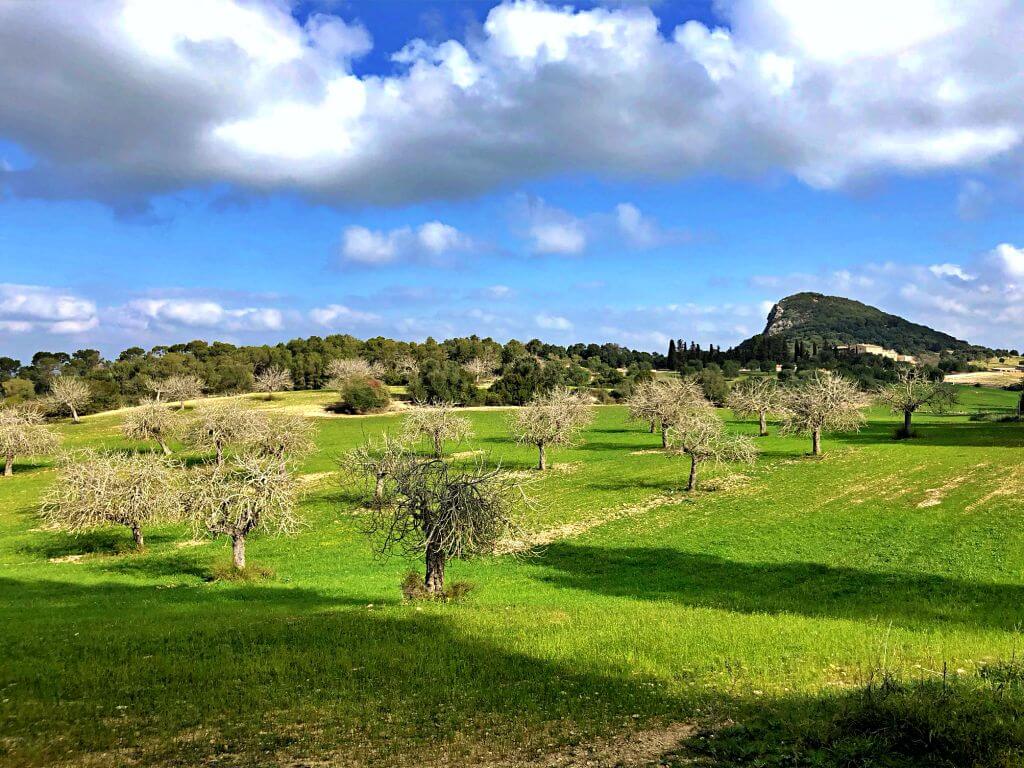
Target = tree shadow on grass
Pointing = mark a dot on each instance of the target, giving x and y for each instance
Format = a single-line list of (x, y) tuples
[(107, 541), (810, 589), (966, 434), (162, 566)]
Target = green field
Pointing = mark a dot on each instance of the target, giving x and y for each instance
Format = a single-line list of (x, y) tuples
[(739, 624)]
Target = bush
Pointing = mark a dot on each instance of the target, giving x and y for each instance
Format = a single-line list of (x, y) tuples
[(414, 588), (444, 382), (364, 395)]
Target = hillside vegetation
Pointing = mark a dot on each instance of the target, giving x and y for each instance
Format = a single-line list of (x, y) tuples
[(861, 609)]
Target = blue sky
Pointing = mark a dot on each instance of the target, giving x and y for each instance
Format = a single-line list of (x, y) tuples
[(603, 172)]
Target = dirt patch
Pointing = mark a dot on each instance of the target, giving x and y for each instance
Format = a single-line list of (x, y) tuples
[(313, 478), (934, 496), (466, 454), (648, 452), (632, 750), (985, 378), (67, 559)]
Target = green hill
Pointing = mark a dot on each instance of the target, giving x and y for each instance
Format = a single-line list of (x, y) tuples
[(814, 317)]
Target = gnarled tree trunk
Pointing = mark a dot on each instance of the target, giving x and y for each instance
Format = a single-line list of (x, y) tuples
[(664, 436), (907, 416), (438, 447), (164, 448), (816, 441), (74, 414), (220, 453), (378, 489), (238, 552), (9, 465), (763, 423), (434, 579), (541, 458), (692, 485), (654, 426), (140, 543)]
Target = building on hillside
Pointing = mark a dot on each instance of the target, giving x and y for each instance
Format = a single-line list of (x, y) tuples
[(876, 349)]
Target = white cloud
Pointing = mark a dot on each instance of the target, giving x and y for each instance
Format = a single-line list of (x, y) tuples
[(949, 270), (336, 315), (497, 292), (1010, 259), (551, 230), (197, 313), (434, 241), (25, 308), (244, 93), (552, 322)]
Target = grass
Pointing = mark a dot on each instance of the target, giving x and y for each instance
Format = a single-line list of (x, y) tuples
[(801, 614)]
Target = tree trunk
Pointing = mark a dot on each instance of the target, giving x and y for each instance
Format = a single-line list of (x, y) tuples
[(816, 441), (1020, 405), (9, 465), (435, 570), (653, 427), (692, 485), (664, 436), (140, 543), (74, 414), (238, 552), (220, 453), (164, 448), (378, 489), (438, 447), (541, 459), (763, 423), (907, 416)]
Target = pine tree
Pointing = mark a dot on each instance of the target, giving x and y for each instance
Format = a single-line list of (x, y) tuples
[(671, 354)]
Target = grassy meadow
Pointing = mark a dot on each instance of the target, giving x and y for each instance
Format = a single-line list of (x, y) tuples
[(860, 609)]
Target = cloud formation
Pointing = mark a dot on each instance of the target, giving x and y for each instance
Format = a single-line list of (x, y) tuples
[(25, 308), (434, 242), (119, 100)]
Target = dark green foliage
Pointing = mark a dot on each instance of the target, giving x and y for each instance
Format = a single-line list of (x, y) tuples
[(714, 385), (444, 382), (361, 395)]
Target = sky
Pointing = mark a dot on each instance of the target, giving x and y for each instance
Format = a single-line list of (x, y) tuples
[(254, 171)]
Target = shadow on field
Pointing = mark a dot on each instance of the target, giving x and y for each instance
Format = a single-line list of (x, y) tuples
[(107, 541), (811, 589), (968, 434), (242, 675)]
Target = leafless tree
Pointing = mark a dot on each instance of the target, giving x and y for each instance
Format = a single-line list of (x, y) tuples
[(220, 424), (554, 418), (343, 370), (913, 390), (442, 512), (406, 365), (273, 380), (483, 365), (23, 433), (438, 424), (377, 460), (665, 403), (247, 494), (826, 402), (98, 490), (150, 421), (282, 436), (703, 437), (181, 387), (70, 393), (756, 396)]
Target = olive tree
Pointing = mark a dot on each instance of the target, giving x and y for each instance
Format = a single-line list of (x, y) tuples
[(218, 425), (550, 419), (703, 437), (281, 436), (825, 402), (913, 390), (181, 388), (377, 460), (150, 421), (441, 512), (666, 403), (23, 433), (245, 495), (70, 393), (756, 396), (100, 490), (437, 424), (273, 380)]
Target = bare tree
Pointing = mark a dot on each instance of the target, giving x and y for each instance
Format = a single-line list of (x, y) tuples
[(406, 365), (703, 437), (550, 419), (377, 460), (913, 390), (756, 396), (824, 403), (438, 424), (131, 489), (273, 380), (247, 494), (483, 365), (150, 421), (22, 433), (282, 436), (666, 403), (181, 388), (343, 370), (441, 512), (218, 425), (70, 393)]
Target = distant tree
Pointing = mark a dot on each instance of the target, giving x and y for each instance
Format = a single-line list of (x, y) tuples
[(671, 357), (150, 421), (551, 419), (247, 494), (281, 436), (913, 390), (825, 402), (361, 395), (70, 393), (343, 370), (443, 382), (437, 424), (218, 425), (273, 380), (712, 382), (756, 396), (666, 403), (18, 390), (702, 436), (180, 388), (377, 460), (126, 489), (22, 433), (483, 365), (441, 512)]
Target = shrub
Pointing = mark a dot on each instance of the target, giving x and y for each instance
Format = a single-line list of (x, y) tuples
[(444, 382), (364, 395)]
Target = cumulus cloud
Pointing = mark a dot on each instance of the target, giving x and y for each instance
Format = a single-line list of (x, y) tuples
[(25, 308), (120, 100), (146, 314), (950, 270), (433, 241), (552, 322), (338, 315)]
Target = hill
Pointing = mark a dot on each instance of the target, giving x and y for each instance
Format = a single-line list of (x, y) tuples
[(814, 317)]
